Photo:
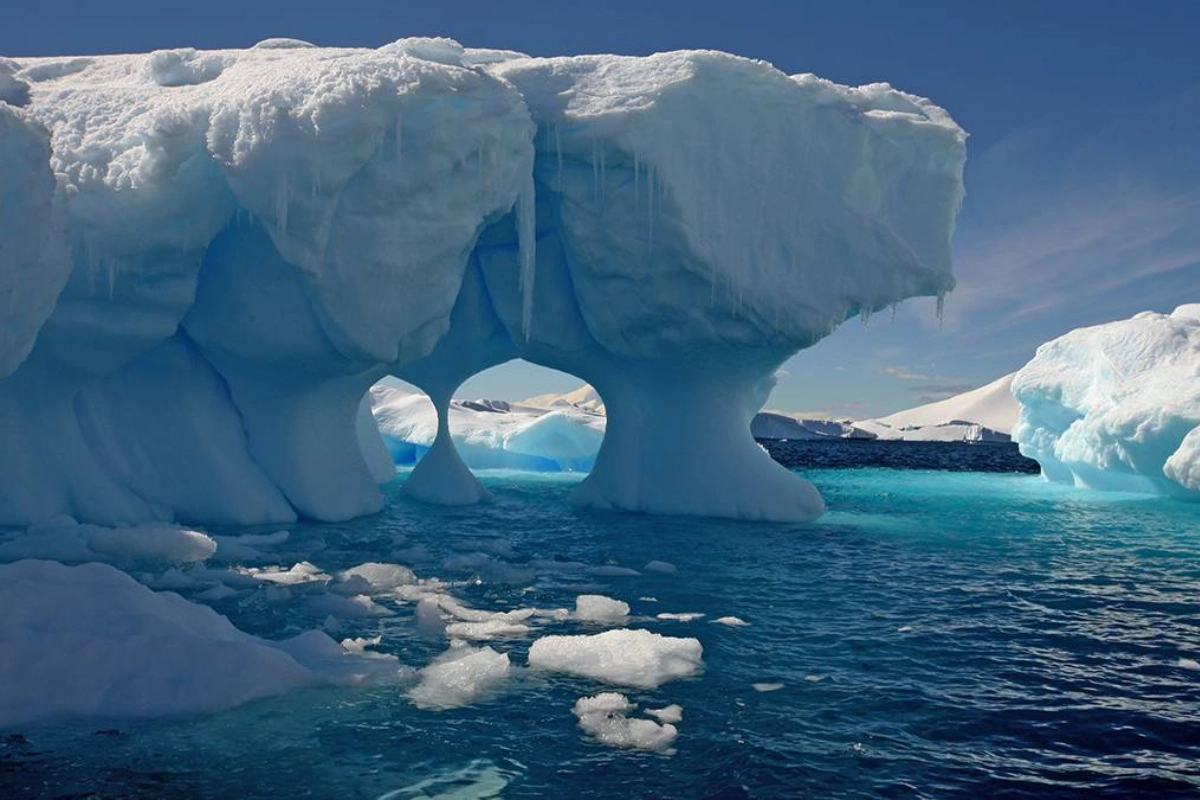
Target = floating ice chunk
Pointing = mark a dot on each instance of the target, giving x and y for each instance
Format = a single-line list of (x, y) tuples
[(63, 539), (733, 622), (153, 543), (1188, 663), (360, 645), (304, 572), (489, 629), (466, 614), (665, 567), (374, 578), (480, 778), (671, 714), (460, 676), (686, 616), (604, 717), (91, 641), (601, 609), (767, 686), (627, 657)]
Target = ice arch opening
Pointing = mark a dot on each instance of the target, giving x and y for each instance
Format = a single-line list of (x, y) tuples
[(445, 439)]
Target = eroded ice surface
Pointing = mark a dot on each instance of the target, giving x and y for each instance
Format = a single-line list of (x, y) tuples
[(210, 256), (1117, 406)]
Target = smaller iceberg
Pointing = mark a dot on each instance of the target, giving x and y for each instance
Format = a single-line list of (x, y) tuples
[(1117, 406), (490, 434)]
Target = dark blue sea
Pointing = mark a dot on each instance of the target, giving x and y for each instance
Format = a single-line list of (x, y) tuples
[(939, 633)]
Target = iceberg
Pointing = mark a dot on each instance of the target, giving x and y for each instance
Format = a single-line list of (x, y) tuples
[(210, 256), (1117, 406), (146, 653), (488, 434)]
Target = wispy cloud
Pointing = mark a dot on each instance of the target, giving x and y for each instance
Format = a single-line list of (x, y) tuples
[(1110, 230), (906, 374)]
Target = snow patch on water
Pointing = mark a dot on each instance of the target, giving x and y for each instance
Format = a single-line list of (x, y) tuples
[(604, 716), (600, 609), (637, 658), (460, 676)]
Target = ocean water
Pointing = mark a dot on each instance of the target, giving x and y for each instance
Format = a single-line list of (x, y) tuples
[(937, 634)]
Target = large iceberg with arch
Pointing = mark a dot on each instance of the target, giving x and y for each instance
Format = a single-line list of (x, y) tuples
[(207, 258)]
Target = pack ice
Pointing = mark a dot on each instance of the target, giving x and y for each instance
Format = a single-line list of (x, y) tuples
[(206, 258), (1117, 406)]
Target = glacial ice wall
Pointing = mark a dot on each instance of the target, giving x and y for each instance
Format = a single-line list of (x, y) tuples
[(1117, 406), (206, 258)]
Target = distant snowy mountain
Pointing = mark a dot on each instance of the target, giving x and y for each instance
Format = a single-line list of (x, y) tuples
[(986, 414), (584, 397)]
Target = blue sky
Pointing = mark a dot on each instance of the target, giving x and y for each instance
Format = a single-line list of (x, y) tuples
[(1083, 179)]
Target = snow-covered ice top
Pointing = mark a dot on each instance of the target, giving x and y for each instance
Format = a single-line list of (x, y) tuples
[(211, 255), (1117, 406)]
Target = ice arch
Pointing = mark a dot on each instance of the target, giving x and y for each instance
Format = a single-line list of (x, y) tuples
[(211, 256)]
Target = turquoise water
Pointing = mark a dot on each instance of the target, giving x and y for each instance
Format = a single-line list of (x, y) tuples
[(936, 635)]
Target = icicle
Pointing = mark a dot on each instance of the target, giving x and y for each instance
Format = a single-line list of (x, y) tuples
[(595, 173), (281, 206), (399, 138), (558, 154), (650, 208), (892, 306), (527, 250), (603, 177), (636, 198), (864, 313), (941, 308), (112, 277)]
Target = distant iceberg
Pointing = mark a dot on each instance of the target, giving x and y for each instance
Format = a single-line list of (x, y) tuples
[(1117, 406), (490, 434)]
